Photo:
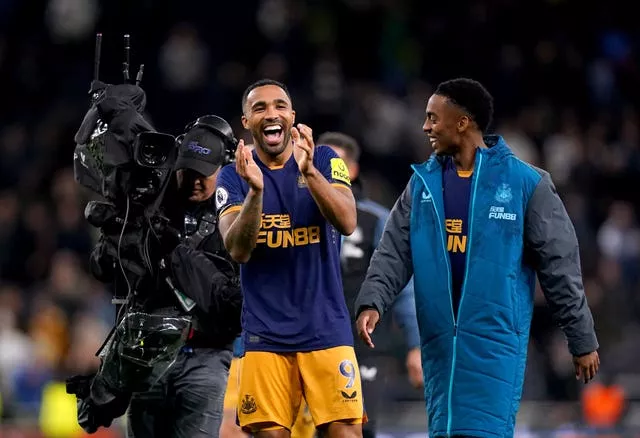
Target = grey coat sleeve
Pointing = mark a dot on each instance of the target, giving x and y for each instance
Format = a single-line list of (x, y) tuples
[(390, 267), (550, 235)]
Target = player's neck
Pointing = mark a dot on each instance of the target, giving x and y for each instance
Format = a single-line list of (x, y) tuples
[(465, 158), (276, 161)]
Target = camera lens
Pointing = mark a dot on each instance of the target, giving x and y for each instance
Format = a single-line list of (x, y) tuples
[(152, 154)]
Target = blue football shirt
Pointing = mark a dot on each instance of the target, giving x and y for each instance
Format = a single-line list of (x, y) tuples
[(457, 188), (292, 286)]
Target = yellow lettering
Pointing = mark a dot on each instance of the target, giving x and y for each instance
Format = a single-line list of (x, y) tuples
[(457, 243), (287, 239), (301, 236), (274, 239), (314, 234), (454, 226), (282, 221)]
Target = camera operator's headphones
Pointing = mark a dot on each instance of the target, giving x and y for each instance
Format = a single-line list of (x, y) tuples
[(221, 128)]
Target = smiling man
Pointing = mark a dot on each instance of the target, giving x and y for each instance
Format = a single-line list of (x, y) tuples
[(282, 209), (475, 225)]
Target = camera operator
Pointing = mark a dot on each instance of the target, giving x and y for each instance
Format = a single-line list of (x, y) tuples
[(187, 400), (167, 358)]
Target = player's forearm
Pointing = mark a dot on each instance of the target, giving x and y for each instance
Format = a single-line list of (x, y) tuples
[(243, 234), (337, 205)]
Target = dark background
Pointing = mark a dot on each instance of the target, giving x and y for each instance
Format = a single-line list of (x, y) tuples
[(566, 81)]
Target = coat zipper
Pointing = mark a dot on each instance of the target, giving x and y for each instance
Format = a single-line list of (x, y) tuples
[(453, 317), (464, 284), (464, 287)]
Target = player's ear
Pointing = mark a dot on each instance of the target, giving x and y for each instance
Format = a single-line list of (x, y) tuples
[(245, 123), (293, 117), (463, 123), (354, 170)]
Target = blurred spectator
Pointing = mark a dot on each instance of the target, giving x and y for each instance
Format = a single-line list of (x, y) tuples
[(16, 346), (86, 337), (561, 149), (184, 59), (619, 239), (521, 145), (48, 330), (71, 19)]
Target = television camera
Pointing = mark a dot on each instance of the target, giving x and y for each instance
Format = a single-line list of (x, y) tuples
[(122, 158)]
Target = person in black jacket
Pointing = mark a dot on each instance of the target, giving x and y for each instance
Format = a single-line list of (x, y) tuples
[(187, 400)]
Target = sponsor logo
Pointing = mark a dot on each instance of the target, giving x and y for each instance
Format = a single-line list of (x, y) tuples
[(276, 232), (195, 147), (500, 214), (348, 396), (339, 171)]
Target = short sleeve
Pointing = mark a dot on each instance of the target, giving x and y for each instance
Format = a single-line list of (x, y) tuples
[(332, 167), (230, 193)]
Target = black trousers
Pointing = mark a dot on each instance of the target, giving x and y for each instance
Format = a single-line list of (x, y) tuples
[(373, 374), (187, 401)]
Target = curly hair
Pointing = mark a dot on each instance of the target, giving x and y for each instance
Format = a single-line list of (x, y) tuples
[(472, 97)]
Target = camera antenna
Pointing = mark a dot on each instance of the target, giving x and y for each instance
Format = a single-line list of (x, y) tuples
[(139, 75), (96, 57), (127, 52)]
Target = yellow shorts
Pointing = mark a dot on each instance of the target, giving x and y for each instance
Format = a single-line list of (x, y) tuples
[(303, 427), (273, 386), (231, 394)]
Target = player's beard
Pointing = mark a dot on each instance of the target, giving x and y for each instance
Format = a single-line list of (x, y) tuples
[(274, 150)]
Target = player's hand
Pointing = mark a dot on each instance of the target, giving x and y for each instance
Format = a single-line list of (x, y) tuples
[(586, 366), (247, 168), (366, 323), (414, 367), (303, 148)]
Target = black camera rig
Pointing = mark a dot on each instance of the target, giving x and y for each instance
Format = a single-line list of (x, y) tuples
[(122, 158)]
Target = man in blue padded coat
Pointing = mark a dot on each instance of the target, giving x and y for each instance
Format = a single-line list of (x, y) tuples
[(474, 226)]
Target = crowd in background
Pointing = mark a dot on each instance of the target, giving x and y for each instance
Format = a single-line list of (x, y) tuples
[(566, 84)]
